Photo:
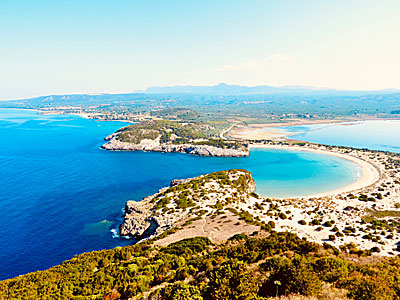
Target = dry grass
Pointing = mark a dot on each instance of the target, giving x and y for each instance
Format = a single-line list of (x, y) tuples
[(328, 293), (293, 297), (217, 229)]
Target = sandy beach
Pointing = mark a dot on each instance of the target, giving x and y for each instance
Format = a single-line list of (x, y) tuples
[(334, 216), (345, 214), (370, 173), (271, 131)]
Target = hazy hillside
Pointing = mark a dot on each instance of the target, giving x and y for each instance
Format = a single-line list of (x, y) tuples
[(222, 100), (226, 89)]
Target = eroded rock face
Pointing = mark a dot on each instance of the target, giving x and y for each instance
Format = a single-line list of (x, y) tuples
[(137, 219), (153, 145), (251, 186), (179, 181), (164, 209)]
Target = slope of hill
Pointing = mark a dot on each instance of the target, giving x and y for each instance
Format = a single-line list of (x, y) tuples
[(222, 102), (170, 136)]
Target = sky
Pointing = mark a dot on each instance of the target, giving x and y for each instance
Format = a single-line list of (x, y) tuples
[(117, 46)]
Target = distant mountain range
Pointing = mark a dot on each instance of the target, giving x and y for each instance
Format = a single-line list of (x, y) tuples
[(248, 100), (222, 89), (226, 89)]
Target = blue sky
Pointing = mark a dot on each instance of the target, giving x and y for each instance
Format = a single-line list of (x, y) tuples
[(57, 47)]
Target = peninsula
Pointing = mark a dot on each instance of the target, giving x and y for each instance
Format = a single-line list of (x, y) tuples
[(212, 202), (172, 136)]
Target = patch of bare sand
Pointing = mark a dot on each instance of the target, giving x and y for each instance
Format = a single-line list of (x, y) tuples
[(257, 134), (271, 131), (217, 230)]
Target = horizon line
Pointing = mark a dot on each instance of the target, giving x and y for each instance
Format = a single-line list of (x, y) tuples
[(143, 91)]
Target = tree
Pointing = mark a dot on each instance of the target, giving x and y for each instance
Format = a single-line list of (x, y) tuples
[(371, 288), (295, 276), (231, 281), (181, 291), (331, 269)]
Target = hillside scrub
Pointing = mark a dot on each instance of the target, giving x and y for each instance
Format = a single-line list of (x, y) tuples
[(242, 268)]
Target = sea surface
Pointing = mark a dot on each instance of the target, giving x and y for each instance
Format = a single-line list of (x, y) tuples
[(375, 134), (61, 195)]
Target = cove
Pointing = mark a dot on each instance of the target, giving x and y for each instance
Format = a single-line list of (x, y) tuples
[(62, 195)]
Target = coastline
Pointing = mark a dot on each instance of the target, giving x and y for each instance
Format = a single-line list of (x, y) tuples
[(86, 116), (333, 216), (17, 108), (271, 131), (370, 172), (343, 202)]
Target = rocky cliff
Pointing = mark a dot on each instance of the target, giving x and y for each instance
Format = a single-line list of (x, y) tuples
[(155, 146), (194, 197), (168, 136)]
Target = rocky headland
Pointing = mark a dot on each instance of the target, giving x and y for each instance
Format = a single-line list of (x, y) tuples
[(189, 199), (155, 146), (171, 136)]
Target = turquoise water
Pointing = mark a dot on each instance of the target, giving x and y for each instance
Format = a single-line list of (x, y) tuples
[(376, 134), (61, 195)]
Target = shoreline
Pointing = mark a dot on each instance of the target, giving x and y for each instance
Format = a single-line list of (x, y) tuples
[(370, 172), (272, 131), (334, 216), (83, 115)]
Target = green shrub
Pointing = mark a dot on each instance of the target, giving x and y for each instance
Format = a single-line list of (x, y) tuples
[(231, 280), (331, 269), (181, 291), (296, 277)]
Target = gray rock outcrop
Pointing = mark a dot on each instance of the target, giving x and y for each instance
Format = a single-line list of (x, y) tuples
[(137, 219), (153, 145), (148, 217)]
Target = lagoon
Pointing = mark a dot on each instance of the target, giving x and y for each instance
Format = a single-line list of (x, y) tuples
[(372, 134)]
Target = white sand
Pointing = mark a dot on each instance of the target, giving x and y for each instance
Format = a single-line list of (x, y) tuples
[(370, 173)]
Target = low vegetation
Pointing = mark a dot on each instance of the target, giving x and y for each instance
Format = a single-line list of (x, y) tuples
[(174, 113), (242, 268), (173, 132)]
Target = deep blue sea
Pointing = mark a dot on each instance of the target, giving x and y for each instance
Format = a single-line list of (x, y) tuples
[(61, 195)]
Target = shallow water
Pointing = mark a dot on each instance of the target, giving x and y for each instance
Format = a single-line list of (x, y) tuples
[(375, 134), (61, 195)]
